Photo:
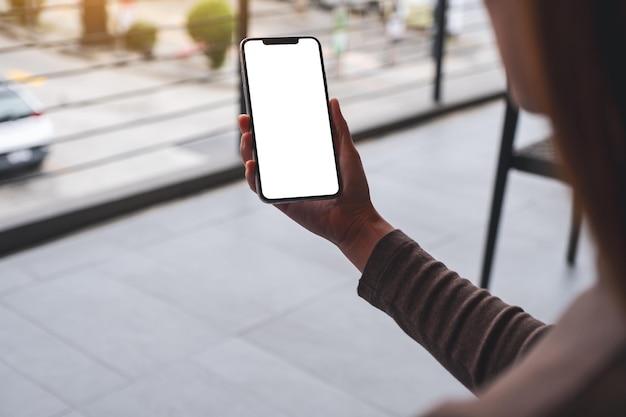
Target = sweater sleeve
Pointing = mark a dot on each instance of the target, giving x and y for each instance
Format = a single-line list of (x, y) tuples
[(473, 334)]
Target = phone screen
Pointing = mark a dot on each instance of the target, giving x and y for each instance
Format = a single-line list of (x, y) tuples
[(288, 105)]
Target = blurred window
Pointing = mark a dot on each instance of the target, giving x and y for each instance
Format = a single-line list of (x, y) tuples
[(12, 107)]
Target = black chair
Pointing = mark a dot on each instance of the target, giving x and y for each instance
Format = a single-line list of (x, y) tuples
[(538, 158)]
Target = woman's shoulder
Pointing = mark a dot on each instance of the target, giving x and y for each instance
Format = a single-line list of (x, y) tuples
[(578, 369)]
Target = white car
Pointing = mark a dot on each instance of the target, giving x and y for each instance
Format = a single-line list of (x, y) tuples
[(25, 132)]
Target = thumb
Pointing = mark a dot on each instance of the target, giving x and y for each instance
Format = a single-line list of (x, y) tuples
[(340, 126)]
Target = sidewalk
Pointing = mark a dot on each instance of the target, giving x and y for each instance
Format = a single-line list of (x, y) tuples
[(217, 305)]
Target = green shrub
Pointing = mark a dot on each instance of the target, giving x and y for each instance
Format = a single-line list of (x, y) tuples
[(141, 37), (25, 15), (211, 23)]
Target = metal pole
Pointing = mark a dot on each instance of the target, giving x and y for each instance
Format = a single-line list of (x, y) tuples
[(439, 44), (30, 14)]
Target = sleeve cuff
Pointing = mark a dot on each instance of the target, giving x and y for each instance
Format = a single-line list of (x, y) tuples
[(381, 258)]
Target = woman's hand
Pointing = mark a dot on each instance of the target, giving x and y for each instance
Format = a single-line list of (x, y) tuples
[(350, 220)]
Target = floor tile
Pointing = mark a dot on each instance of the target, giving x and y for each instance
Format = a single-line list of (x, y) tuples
[(202, 210), (62, 369), (350, 345), (545, 216), (281, 384), (267, 226), (124, 328), (21, 398), (180, 391), (64, 256), (424, 214), (229, 280), (12, 277), (134, 231)]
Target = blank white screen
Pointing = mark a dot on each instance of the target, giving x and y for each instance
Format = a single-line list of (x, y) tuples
[(291, 122)]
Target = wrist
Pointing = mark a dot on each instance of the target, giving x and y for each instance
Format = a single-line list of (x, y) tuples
[(363, 236)]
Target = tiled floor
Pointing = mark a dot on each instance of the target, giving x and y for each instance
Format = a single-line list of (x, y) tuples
[(217, 305)]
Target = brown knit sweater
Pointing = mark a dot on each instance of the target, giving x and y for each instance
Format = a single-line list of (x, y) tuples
[(516, 365)]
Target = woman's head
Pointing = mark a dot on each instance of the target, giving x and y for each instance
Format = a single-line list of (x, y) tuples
[(564, 59), (516, 38)]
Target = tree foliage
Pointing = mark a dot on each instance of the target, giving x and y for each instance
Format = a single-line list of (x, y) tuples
[(211, 23), (141, 37), (26, 11)]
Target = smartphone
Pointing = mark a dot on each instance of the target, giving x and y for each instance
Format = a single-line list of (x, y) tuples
[(287, 101)]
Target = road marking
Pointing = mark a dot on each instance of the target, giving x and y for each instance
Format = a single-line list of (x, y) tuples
[(25, 77)]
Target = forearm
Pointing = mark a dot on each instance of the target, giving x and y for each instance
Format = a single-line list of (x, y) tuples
[(470, 332)]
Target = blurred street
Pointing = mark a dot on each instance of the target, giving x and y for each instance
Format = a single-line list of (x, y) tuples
[(184, 124)]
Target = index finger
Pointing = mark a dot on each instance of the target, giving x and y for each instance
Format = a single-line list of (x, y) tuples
[(244, 123)]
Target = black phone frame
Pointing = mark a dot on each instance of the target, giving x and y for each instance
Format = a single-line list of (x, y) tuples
[(282, 40)]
